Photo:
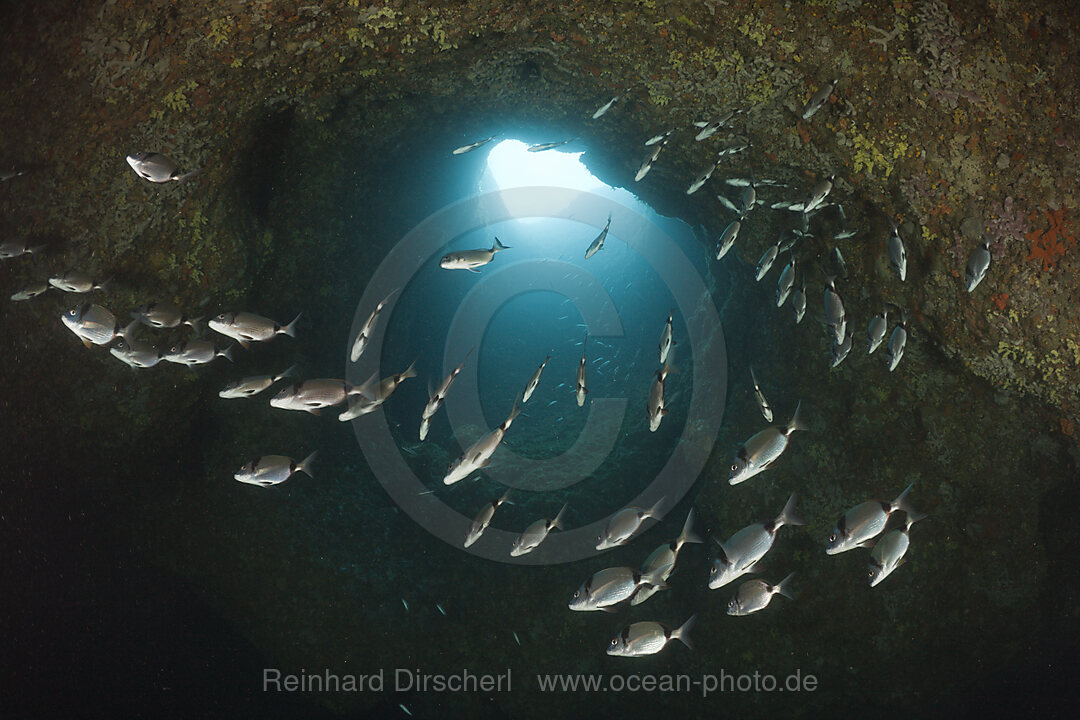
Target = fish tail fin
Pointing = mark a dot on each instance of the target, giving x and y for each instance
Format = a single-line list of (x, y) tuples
[(128, 330), (304, 465), (784, 587), (557, 522), (290, 329), (914, 517), (753, 376), (104, 284), (682, 634), (367, 389), (35, 249), (787, 515), (497, 246), (796, 421), (194, 323), (654, 511), (655, 577), (688, 535), (901, 502), (188, 175), (514, 412), (227, 353), (410, 372), (505, 497), (288, 372)]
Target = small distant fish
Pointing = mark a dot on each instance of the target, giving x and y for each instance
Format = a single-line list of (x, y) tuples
[(405, 604), (364, 336), (785, 283), (648, 638), (471, 259), (246, 328), (157, 168), (403, 708), (483, 519), (31, 291), (727, 239), (623, 524), (252, 386), (798, 301), (763, 449), (666, 556), (661, 138), (602, 110), (845, 234), (647, 163), (196, 352), (439, 607), (755, 595), (840, 350), (164, 315), (763, 404), (478, 456), (516, 639), (535, 534), (472, 146), (708, 128), (864, 522), (732, 149), (788, 242), (766, 261), (438, 396), (373, 393), (835, 317), (74, 281), (888, 553), (552, 402), (598, 244), (534, 381), (879, 324), (10, 174), (977, 266), (94, 325), (549, 146), (897, 254), (897, 343), (702, 179), (838, 260), (580, 388), (313, 395), (818, 194), (16, 248), (741, 553), (818, 99), (136, 353), (612, 586), (666, 341), (273, 470)]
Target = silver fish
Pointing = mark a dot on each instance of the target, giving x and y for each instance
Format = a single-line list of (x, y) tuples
[(94, 324), (136, 353), (478, 456), (10, 174), (31, 291), (888, 553), (598, 244), (977, 266), (602, 110), (483, 519), (840, 350), (252, 386), (897, 343), (879, 324), (246, 328), (623, 524), (766, 262), (709, 127), (666, 341), (742, 551), (835, 317), (612, 586), (648, 638), (16, 248), (74, 281), (364, 336), (157, 168), (702, 179), (732, 149), (471, 259), (666, 556), (549, 146), (535, 534), (728, 205), (755, 595), (763, 404), (818, 194), (373, 394), (798, 301), (196, 352), (897, 254), (838, 260), (438, 396), (313, 395), (818, 99), (763, 449), (580, 386), (656, 407), (864, 522), (534, 381), (164, 315), (274, 470), (727, 239), (661, 138), (784, 283), (647, 163), (472, 146)]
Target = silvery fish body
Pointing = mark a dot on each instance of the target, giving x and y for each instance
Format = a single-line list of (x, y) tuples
[(897, 254), (818, 194), (436, 398), (656, 407), (666, 556), (666, 341), (647, 164), (472, 146), (157, 168), (483, 519), (798, 302), (840, 350), (196, 352), (16, 248), (897, 342), (245, 327), (74, 281), (755, 595), (598, 244), (838, 260), (702, 179), (602, 110), (373, 394), (766, 261), (977, 266), (727, 239), (580, 386), (834, 311), (535, 534), (662, 137), (273, 470), (313, 395), (743, 550), (785, 282), (31, 291), (136, 353), (748, 200), (534, 381), (163, 315), (649, 638), (364, 336), (818, 99), (94, 324), (478, 456), (612, 586), (623, 524), (251, 386), (879, 325), (763, 404), (471, 259), (888, 553), (548, 146), (762, 450), (864, 522)]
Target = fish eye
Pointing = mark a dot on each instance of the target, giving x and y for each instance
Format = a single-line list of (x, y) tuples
[(614, 642), (832, 538), (577, 594), (731, 603), (71, 312), (870, 573), (735, 467)]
